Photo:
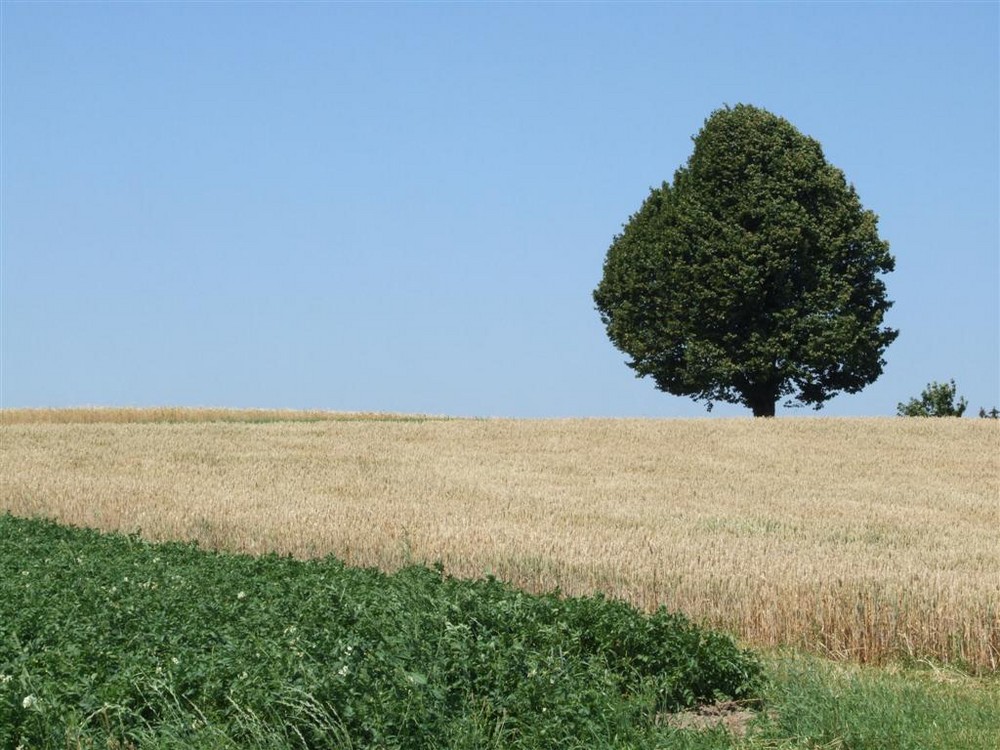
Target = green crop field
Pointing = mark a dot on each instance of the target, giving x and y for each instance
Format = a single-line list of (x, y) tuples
[(109, 638)]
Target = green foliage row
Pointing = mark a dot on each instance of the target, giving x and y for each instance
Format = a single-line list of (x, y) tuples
[(107, 640)]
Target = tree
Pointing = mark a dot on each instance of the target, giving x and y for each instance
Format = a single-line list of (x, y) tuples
[(936, 400), (754, 276)]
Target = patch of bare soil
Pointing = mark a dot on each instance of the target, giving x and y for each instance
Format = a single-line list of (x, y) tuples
[(734, 716)]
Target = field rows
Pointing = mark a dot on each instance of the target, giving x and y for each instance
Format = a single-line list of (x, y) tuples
[(864, 539)]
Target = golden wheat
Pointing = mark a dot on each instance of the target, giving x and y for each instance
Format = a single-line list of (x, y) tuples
[(860, 538), (120, 415)]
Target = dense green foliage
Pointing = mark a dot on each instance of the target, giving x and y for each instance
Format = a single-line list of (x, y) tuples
[(754, 276), (107, 640), (936, 400)]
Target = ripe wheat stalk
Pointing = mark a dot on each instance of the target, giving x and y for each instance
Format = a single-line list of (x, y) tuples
[(865, 539)]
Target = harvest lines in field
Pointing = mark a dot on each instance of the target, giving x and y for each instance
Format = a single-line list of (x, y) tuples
[(860, 538)]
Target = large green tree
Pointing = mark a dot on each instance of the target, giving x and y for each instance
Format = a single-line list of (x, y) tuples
[(755, 276)]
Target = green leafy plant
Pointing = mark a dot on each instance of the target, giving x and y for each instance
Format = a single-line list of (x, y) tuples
[(936, 400), (116, 642)]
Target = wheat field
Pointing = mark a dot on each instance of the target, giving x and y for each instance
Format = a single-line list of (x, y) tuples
[(862, 539)]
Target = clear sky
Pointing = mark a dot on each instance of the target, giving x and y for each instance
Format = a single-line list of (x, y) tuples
[(406, 206)]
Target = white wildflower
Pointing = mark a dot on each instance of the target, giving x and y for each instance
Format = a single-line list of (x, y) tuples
[(242, 595), (175, 660), (343, 671), (29, 701)]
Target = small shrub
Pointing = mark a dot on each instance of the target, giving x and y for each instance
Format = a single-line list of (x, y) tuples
[(936, 400)]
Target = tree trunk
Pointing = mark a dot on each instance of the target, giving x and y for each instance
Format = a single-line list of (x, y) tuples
[(762, 404)]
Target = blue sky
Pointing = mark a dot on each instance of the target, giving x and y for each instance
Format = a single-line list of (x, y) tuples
[(406, 207)]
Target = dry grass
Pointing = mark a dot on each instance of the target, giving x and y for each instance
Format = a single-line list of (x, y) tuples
[(859, 538), (171, 414)]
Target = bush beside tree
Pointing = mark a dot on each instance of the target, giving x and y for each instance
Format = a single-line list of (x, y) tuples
[(936, 400)]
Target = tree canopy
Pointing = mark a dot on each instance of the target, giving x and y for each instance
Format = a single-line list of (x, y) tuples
[(754, 276)]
